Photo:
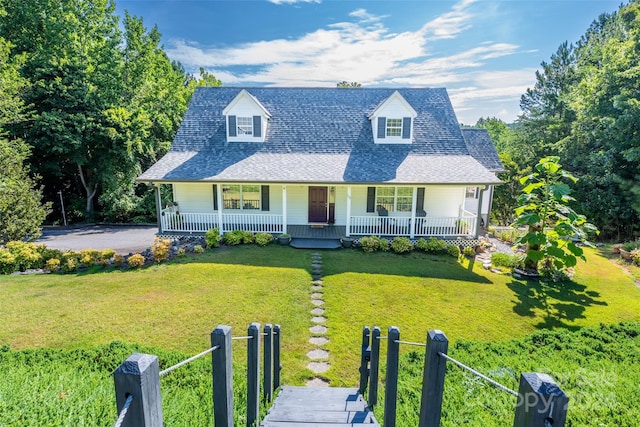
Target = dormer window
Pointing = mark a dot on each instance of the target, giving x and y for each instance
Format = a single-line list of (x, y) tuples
[(246, 119), (392, 121), (245, 126)]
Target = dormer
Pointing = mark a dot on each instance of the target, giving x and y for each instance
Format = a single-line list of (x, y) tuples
[(392, 121), (246, 118)]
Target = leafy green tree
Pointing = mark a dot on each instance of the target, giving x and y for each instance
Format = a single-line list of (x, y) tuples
[(552, 225), (345, 84), (505, 196)]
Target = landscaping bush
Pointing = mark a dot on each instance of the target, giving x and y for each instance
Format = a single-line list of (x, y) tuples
[(374, 243), (118, 260), (248, 238), (548, 270), (135, 261), (69, 265), (263, 239), (160, 249), (181, 252), (500, 259), (469, 252), (27, 255), (453, 250), (233, 238), (508, 235), (635, 257), (106, 256), (198, 249), (7, 262), (52, 265), (90, 257), (401, 245), (432, 245), (383, 244), (212, 238)]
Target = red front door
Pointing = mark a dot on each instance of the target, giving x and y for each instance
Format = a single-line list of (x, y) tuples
[(317, 204)]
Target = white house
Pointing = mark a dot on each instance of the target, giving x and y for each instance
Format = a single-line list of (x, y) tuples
[(354, 161)]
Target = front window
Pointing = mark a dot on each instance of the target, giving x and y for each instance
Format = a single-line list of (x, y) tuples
[(471, 193), (394, 199), (394, 127), (245, 126), (243, 197)]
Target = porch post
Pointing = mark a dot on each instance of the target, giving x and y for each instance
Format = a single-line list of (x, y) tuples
[(348, 222), (220, 205), (284, 209), (414, 205), (479, 213), (156, 187)]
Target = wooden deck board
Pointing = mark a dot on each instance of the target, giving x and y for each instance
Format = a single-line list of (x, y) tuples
[(320, 407)]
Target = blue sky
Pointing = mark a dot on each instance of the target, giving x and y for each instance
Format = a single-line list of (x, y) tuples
[(484, 52)]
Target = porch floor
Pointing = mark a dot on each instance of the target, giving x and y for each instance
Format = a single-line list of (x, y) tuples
[(325, 232)]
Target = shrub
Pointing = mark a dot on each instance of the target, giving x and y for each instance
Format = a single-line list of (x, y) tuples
[(548, 270), (263, 239), (74, 255), (468, 251), (401, 245), (432, 245), (118, 260), (508, 235), (198, 249), (7, 262), (69, 265), (160, 249), (26, 255), (453, 250), (106, 255), (233, 238), (635, 256), (90, 256), (370, 244), (248, 238), (499, 259), (52, 265), (631, 246), (383, 244), (181, 252), (212, 237), (135, 261)]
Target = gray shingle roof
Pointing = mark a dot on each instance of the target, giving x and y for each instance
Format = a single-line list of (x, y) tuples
[(320, 135), (481, 147)]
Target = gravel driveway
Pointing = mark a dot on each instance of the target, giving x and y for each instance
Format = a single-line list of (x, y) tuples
[(124, 239)]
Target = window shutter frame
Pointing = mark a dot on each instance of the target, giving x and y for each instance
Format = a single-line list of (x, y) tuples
[(420, 199), (371, 199), (264, 190), (257, 126), (406, 127), (232, 126), (215, 197), (382, 127)]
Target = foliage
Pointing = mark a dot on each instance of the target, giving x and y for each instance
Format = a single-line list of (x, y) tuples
[(346, 85), (181, 252), (212, 238), (160, 249), (401, 245), (551, 224), (468, 251), (27, 255), (509, 235), (233, 238), (374, 244), (69, 265), (135, 261), (432, 245), (453, 250), (263, 239), (52, 265), (635, 256), (7, 262), (597, 367), (118, 260), (248, 238), (21, 209), (629, 246), (198, 249), (500, 259)]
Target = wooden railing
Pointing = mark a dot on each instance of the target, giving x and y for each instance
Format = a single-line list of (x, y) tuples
[(539, 400), (424, 226)]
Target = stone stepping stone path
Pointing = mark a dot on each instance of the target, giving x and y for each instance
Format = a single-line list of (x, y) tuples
[(319, 357)]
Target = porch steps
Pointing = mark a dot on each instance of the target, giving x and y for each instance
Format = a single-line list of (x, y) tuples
[(315, 243)]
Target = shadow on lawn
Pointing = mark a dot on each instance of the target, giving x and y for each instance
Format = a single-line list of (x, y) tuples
[(557, 303)]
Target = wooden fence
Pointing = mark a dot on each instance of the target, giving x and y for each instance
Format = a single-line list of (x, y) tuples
[(540, 401), (137, 380)]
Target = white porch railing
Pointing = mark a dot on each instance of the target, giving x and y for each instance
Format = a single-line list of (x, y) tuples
[(201, 222), (424, 226)]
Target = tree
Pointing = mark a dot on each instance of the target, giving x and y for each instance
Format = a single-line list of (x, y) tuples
[(345, 84), (552, 226)]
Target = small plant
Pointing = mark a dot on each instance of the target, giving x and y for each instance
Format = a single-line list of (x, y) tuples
[(248, 238), (90, 256), (212, 238), (7, 262), (198, 249), (453, 250), (401, 245), (500, 259), (135, 261), (181, 252), (233, 238), (432, 245), (548, 269), (383, 244), (263, 239), (635, 257), (118, 260), (508, 235), (160, 249), (69, 265), (52, 265), (106, 256), (630, 246), (370, 244), (26, 255), (469, 252)]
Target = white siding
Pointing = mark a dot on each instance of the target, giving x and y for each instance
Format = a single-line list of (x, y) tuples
[(193, 197), (443, 201), (297, 204)]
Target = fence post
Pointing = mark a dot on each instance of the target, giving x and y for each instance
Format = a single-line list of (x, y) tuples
[(253, 374), (391, 382), (540, 400), (375, 367), (139, 376), (267, 380), (222, 375), (277, 367), (433, 379), (364, 360)]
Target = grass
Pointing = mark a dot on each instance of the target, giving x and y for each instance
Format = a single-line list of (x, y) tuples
[(174, 306)]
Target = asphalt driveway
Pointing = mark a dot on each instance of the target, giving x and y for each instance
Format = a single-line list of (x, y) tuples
[(123, 239)]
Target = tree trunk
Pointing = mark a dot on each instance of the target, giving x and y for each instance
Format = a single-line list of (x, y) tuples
[(91, 189)]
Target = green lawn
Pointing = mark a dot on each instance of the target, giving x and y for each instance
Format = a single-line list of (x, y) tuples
[(175, 306)]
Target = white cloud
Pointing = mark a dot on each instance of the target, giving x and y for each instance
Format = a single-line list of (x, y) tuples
[(365, 50), (292, 1)]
